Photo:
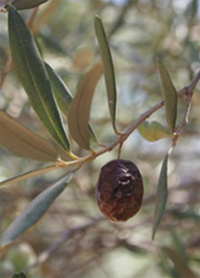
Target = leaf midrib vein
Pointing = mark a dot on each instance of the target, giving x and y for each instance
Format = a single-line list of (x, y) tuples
[(36, 86)]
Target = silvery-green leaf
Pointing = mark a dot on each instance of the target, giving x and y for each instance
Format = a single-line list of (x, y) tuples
[(161, 196), (170, 96), (108, 68), (63, 95), (35, 210), (61, 92), (31, 72)]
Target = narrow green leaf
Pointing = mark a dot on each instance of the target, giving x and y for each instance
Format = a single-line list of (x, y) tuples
[(63, 95), (35, 210), (170, 96), (27, 4), (161, 197), (31, 72), (60, 90), (19, 275), (79, 111), (153, 131), (108, 68), (27, 175), (23, 142)]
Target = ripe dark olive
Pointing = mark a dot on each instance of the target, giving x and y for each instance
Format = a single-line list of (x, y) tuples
[(119, 190)]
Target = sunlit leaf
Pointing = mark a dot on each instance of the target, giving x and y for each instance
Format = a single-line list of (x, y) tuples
[(79, 112), (22, 142), (153, 131), (63, 95), (31, 72), (108, 68), (161, 196), (27, 4), (19, 275), (170, 96), (35, 210)]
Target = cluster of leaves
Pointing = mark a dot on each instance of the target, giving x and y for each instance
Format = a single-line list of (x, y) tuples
[(48, 95), (42, 84)]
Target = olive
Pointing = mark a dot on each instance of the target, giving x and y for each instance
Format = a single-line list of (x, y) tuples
[(119, 190)]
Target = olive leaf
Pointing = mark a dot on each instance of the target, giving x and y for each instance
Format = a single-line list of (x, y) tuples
[(161, 196), (79, 111), (27, 4), (60, 90), (31, 72), (23, 142), (35, 210), (153, 131), (170, 96), (108, 69), (63, 95)]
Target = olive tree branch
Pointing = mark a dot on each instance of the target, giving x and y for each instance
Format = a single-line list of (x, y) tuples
[(185, 91)]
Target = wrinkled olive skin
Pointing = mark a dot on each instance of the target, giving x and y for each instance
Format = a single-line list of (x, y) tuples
[(119, 190)]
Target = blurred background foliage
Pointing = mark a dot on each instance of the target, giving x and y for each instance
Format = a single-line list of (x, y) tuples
[(91, 246)]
